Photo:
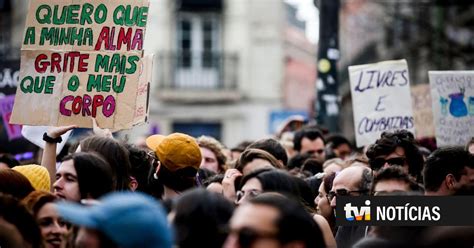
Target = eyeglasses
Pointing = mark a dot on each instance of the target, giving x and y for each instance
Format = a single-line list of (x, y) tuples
[(343, 192), (247, 236), (249, 194), (378, 163)]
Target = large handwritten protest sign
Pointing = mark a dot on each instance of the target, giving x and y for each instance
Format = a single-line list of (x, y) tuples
[(452, 93), (381, 99), (422, 112), (81, 60)]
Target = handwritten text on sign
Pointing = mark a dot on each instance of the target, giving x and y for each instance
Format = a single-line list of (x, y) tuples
[(452, 94), (82, 59), (381, 99)]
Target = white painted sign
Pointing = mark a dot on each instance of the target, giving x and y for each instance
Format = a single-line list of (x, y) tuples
[(381, 99), (452, 94)]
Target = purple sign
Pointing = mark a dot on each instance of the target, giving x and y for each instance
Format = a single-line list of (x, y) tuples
[(6, 107)]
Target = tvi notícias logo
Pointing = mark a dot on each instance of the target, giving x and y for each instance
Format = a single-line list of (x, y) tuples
[(358, 214)]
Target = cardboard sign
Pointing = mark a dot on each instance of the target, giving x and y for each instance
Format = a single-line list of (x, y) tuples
[(452, 94), (6, 106), (380, 99), (82, 60), (422, 112)]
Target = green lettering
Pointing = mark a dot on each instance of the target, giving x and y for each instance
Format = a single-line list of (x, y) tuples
[(132, 61), (101, 61), (48, 87), (39, 84), (64, 36), (46, 18), (106, 83), (73, 83), (56, 20), (28, 88), (46, 34), (115, 63), (130, 21), (88, 37), (142, 16), (118, 20), (119, 88), (100, 14), (93, 82), (72, 14), (30, 36), (77, 36), (86, 13)]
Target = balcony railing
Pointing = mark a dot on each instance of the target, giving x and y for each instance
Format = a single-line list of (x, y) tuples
[(197, 76)]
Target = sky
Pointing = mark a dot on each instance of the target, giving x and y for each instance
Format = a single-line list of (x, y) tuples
[(308, 12)]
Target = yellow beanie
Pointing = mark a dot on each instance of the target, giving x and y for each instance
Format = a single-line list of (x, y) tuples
[(37, 175)]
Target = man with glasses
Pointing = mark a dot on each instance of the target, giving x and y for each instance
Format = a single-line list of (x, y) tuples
[(353, 181), (396, 149), (310, 140), (272, 220)]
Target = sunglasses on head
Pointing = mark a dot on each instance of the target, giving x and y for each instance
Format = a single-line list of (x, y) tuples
[(380, 162), (248, 236)]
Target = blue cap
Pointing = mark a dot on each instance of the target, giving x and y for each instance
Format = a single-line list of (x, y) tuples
[(129, 219)]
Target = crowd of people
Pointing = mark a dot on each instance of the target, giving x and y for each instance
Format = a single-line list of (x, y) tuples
[(183, 191)]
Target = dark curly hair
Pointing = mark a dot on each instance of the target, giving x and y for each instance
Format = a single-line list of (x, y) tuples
[(389, 141)]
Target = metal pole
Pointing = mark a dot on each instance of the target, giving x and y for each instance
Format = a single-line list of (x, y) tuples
[(328, 99)]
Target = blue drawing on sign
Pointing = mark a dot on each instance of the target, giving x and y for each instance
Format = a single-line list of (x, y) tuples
[(471, 105), (458, 108), (444, 105)]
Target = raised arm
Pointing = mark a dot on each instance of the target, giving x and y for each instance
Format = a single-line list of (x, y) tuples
[(49, 153)]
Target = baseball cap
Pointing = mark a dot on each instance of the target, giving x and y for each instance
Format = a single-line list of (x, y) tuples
[(129, 219), (36, 174), (176, 151)]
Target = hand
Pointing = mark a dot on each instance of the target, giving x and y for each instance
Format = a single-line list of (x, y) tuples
[(55, 132), (228, 183), (105, 132)]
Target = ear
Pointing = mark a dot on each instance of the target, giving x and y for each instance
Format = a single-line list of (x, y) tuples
[(133, 185), (295, 244), (450, 181)]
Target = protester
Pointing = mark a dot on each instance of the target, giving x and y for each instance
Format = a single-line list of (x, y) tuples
[(82, 176), (212, 152), (141, 169), (272, 220), (255, 159), (53, 228), (15, 184), (396, 148), (448, 170), (199, 218), (392, 180), (323, 205), (37, 175), (119, 219), (338, 147), (18, 227), (310, 140), (115, 154), (179, 160), (273, 147), (353, 181)]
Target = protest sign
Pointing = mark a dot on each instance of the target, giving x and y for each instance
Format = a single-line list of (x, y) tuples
[(452, 94), (82, 60), (421, 99), (6, 106), (380, 99)]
